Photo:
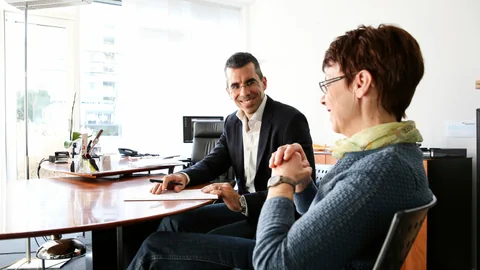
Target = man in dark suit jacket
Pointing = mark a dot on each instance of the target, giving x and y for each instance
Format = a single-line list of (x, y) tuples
[(250, 136)]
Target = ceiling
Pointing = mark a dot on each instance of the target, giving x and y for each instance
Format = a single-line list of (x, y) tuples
[(237, 3)]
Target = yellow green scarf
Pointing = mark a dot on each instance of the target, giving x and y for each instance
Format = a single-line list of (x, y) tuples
[(377, 137)]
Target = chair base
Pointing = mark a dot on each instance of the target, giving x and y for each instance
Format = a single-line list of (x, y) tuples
[(61, 249), (58, 249)]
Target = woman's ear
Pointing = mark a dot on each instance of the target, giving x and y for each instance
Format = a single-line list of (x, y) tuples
[(362, 83)]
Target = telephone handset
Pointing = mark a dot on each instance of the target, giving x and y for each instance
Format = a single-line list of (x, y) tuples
[(127, 152), (132, 153)]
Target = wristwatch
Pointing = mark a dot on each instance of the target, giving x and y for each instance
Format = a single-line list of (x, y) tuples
[(278, 179), (243, 204)]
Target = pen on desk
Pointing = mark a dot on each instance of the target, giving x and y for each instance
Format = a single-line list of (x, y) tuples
[(161, 181), (169, 157)]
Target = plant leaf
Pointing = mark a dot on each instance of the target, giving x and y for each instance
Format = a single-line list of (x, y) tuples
[(67, 144), (76, 135)]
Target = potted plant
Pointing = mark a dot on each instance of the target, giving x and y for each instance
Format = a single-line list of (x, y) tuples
[(74, 136)]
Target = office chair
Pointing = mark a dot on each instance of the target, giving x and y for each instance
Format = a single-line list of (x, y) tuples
[(400, 237), (205, 135), (320, 171), (57, 249)]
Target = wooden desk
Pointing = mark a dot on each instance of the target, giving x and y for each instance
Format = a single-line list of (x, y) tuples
[(324, 158), (39, 207), (119, 166)]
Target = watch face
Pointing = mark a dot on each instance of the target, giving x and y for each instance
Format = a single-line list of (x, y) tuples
[(243, 202), (273, 180), (278, 179)]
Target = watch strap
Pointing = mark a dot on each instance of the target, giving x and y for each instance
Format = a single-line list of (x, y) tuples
[(284, 179), (289, 180)]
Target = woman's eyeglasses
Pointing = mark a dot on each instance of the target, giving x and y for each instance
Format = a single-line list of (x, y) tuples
[(324, 84)]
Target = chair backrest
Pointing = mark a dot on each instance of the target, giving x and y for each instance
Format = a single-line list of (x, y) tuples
[(400, 237), (320, 171), (205, 135)]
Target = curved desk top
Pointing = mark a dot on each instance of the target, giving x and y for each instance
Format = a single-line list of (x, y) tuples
[(38, 207), (118, 166)]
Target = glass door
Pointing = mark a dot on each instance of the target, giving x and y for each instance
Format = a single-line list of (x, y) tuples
[(50, 85)]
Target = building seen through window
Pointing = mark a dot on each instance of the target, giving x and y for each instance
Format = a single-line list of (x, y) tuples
[(99, 84)]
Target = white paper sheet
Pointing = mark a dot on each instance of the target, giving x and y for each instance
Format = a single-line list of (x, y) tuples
[(143, 194)]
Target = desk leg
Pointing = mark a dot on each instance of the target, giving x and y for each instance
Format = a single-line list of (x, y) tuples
[(106, 250), (120, 264)]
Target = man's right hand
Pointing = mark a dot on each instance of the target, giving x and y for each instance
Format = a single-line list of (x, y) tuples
[(176, 177)]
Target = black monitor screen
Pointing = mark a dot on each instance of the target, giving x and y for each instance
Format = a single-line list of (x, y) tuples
[(188, 125)]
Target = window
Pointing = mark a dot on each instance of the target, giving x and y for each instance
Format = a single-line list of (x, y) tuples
[(163, 62), (50, 89), (136, 75), (99, 25), (109, 40)]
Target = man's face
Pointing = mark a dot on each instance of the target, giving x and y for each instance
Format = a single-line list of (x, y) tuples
[(245, 87)]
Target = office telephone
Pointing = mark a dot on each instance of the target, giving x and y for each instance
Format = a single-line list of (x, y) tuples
[(126, 152)]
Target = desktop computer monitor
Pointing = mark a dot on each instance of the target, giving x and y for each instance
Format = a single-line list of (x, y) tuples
[(188, 125)]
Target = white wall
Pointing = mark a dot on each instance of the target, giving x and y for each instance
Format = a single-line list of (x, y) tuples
[(290, 38)]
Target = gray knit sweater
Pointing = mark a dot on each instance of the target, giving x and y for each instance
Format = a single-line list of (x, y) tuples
[(345, 220)]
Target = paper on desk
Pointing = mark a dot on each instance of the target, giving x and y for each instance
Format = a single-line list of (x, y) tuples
[(144, 194)]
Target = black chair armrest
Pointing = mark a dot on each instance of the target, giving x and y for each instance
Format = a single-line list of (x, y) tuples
[(188, 162)]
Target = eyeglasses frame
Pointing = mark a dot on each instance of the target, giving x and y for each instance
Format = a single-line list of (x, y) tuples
[(323, 84)]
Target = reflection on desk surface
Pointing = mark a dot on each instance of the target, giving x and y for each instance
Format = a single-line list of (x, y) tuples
[(118, 165), (71, 204)]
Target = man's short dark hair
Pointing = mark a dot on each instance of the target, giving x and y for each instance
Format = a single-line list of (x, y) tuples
[(241, 59)]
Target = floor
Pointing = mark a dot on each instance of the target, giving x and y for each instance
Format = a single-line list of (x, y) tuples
[(14, 250)]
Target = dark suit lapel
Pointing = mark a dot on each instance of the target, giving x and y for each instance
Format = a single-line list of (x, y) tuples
[(265, 130), (239, 149)]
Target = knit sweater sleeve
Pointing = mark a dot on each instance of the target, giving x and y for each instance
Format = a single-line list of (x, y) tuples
[(305, 198), (327, 236)]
